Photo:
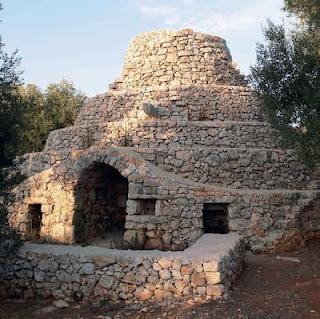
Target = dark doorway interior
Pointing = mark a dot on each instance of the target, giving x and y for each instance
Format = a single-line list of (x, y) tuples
[(102, 194), (35, 220), (215, 218)]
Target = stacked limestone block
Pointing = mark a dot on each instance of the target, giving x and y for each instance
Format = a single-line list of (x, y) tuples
[(182, 126), (76, 272), (176, 58)]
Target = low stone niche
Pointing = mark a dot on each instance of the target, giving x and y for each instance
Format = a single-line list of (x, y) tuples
[(142, 207), (101, 196), (207, 269), (215, 218), (35, 222)]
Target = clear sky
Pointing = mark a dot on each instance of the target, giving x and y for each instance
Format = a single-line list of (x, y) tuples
[(84, 41)]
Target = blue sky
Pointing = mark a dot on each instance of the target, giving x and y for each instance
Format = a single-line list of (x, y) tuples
[(85, 41)]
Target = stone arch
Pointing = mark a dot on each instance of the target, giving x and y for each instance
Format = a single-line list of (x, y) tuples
[(124, 162), (101, 193), (127, 164)]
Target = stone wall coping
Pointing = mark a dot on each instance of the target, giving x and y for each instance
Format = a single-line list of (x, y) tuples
[(195, 148), (161, 123), (153, 196), (169, 87), (207, 247)]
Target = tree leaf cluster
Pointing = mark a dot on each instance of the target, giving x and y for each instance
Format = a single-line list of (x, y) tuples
[(308, 11), (10, 115), (43, 112), (27, 115), (287, 78)]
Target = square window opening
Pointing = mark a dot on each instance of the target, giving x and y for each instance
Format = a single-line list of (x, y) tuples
[(146, 207), (215, 218)]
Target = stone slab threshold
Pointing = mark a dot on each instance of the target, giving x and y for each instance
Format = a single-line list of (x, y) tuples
[(208, 246)]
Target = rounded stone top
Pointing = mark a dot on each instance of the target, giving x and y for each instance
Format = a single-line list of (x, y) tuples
[(162, 58)]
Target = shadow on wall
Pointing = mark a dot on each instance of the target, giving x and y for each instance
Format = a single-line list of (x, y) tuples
[(310, 220)]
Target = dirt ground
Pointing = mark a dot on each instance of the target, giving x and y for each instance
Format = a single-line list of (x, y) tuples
[(269, 288)]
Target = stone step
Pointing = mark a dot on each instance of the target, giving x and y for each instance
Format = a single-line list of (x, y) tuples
[(158, 134), (184, 102)]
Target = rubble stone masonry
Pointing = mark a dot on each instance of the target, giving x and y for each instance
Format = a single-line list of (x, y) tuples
[(184, 130)]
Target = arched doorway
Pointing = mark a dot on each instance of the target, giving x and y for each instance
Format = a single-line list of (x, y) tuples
[(101, 195)]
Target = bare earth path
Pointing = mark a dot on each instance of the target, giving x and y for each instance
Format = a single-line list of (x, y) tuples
[(269, 288)]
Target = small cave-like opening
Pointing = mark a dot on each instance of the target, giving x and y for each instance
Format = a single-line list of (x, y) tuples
[(215, 218), (101, 196), (35, 217)]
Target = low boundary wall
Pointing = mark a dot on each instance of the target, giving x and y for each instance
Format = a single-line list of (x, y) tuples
[(207, 269)]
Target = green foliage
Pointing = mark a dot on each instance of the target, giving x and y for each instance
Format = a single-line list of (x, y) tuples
[(307, 10), (35, 128), (27, 115), (287, 78), (56, 108), (9, 239), (10, 117), (63, 102)]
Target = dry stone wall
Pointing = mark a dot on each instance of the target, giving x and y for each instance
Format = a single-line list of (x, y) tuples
[(85, 272), (185, 133), (266, 219), (185, 57), (234, 167), (164, 134), (187, 102)]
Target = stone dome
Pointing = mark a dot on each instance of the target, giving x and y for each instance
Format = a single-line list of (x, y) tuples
[(164, 58)]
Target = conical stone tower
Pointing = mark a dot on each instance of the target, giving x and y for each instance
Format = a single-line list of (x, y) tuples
[(178, 146)]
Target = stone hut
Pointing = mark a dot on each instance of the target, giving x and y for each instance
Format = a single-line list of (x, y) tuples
[(177, 147)]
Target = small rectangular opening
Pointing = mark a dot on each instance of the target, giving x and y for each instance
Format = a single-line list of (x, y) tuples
[(215, 218), (35, 214), (203, 114), (146, 207)]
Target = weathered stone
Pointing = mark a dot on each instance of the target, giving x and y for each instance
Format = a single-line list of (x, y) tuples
[(143, 294), (198, 279), (165, 274), (161, 294), (212, 277), (39, 275), (180, 285), (165, 263), (153, 243), (186, 269), (210, 266), (88, 268), (61, 304), (214, 290), (103, 261), (106, 282), (129, 277)]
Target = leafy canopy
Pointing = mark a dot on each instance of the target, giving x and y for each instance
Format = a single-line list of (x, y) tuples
[(307, 10), (56, 108), (10, 115), (287, 78)]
